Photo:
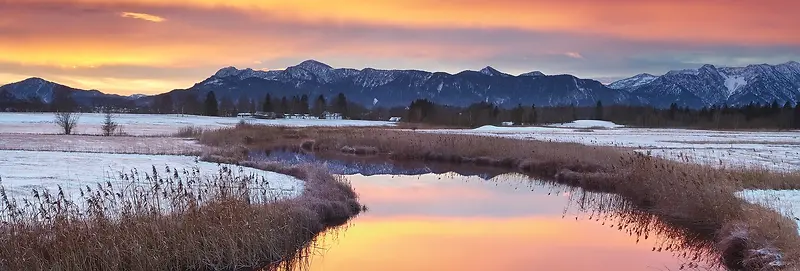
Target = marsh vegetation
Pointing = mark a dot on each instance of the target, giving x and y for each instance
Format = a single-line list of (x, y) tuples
[(171, 219), (698, 198)]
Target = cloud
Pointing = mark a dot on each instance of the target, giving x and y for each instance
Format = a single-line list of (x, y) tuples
[(143, 16), (205, 35), (574, 55)]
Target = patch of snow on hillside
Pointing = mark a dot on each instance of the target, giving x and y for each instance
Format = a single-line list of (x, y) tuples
[(216, 81), (734, 83), (23, 171), (636, 81), (785, 202)]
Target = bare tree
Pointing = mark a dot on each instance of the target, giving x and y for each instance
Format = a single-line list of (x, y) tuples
[(109, 125), (67, 121)]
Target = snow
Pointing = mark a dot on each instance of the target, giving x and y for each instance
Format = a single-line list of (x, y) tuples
[(785, 202), (214, 82), (100, 144), (778, 151), (734, 83), (506, 130), (153, 124), (22, 171), (533, 74), (632, 82), (585, 124)]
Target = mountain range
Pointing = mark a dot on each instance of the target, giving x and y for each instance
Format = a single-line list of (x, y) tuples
[(695, 88), (38, 90)]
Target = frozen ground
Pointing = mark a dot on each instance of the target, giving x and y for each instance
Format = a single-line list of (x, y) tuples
[(99, 144), (773, 150), (588, 124), (151, 124), (786, 202), (23, 171)]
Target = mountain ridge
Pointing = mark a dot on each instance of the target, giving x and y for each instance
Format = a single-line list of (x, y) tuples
[(704, 86), (710, 85), (400, 87)]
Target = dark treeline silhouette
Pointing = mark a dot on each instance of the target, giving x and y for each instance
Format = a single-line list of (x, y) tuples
[(751, 116), (299, 104)]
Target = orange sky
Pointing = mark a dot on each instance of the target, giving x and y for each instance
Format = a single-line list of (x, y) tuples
[(152, 46)]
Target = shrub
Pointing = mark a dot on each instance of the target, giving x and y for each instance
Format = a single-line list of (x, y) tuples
[(67, 121), (109, 125), (190, 132)]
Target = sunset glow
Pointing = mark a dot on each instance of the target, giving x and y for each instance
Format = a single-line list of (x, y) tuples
[(152, 46)]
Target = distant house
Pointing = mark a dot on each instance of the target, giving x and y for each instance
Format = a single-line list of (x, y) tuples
[(244, 115), (395, 119), (298, 116), (331, 116)]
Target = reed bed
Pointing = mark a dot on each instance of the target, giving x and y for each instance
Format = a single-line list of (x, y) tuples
[(698, 198), (170, 219)]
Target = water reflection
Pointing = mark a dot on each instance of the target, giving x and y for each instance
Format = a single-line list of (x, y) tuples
[(371, 165), (452, 222)]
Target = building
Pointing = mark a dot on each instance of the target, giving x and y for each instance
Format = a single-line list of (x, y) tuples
[(331, 116), (298, 116), (395, 119)]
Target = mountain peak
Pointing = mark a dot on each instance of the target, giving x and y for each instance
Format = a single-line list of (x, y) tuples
[(34, 79), (632, 82), (533, 74), (492, 71), (226, 72), (708, 67), (313, 65)]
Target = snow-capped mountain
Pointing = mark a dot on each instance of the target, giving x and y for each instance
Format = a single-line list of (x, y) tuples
[(493, 72), (710, 85), (400, 87), (40, 90), (533, 73), (633, 82)]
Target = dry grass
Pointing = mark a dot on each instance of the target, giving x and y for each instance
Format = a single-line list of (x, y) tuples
[(171, 220), (100, 144), (694, 197), (189, 132)]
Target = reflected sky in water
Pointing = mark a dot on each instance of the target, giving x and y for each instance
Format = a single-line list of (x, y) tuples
[(451, 222)]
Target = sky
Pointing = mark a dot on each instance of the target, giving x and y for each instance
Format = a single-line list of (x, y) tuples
[(153, 46)]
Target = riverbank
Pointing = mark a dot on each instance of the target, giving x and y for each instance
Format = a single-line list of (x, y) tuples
[(164, 217), (695, 197)]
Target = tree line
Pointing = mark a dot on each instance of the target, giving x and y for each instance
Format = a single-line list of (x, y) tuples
[(750, 116), (212, 106)]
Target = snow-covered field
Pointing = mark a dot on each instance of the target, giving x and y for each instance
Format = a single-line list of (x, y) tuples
[(23, 171), (785, 202), (773, 150), (100, 144), (151, 124)]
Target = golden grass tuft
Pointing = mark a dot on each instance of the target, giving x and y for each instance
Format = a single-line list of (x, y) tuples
[(172, 219)]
